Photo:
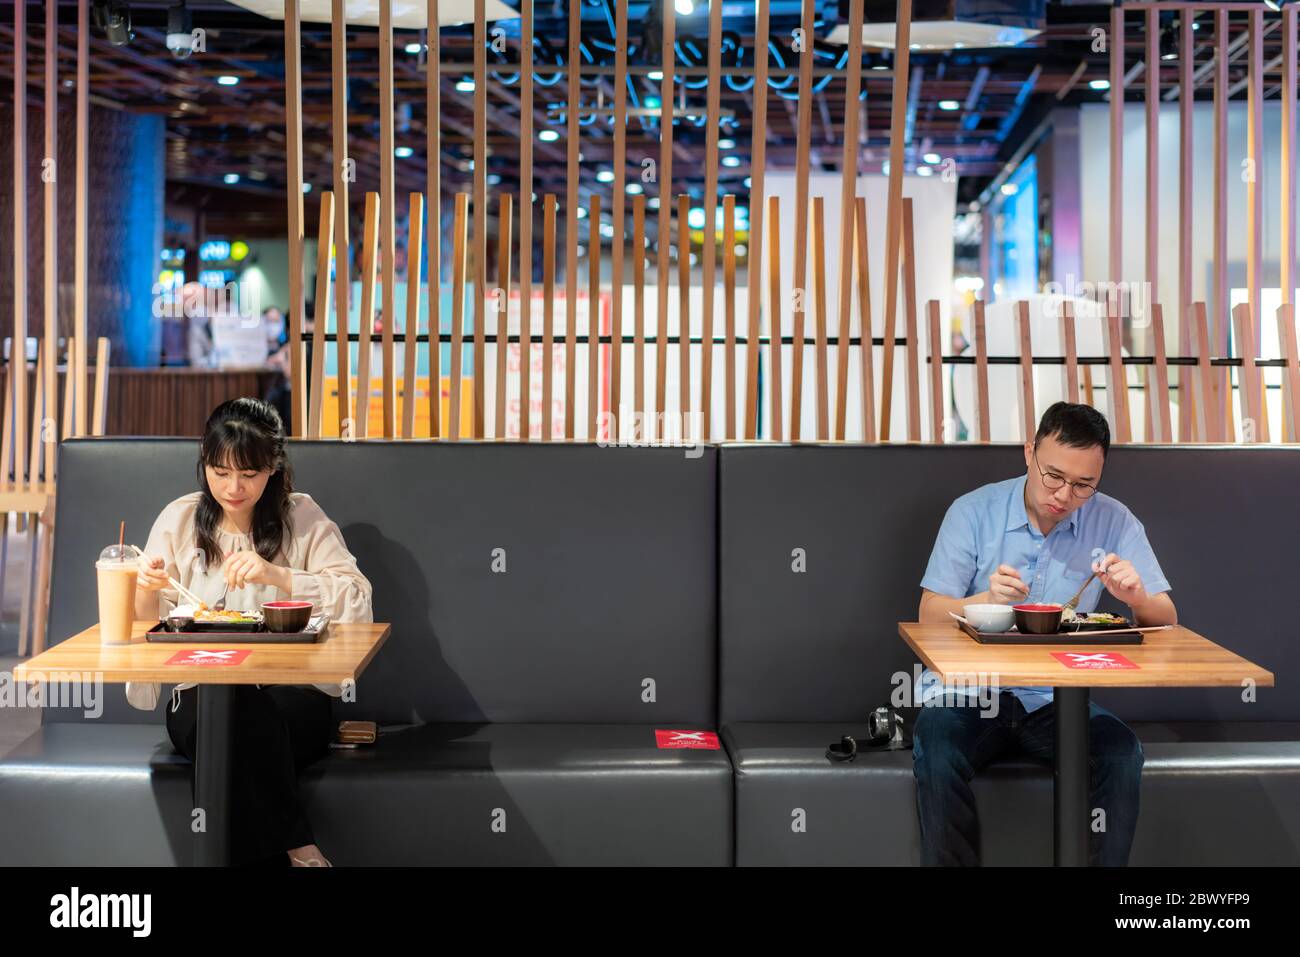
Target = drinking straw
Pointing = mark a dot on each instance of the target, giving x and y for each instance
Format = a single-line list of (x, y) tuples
[(121, 536)]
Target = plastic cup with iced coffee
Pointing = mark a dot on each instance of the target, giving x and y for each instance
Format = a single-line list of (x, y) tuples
[(116, 570)]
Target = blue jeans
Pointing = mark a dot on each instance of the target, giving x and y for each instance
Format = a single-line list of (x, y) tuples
[(950, 744)]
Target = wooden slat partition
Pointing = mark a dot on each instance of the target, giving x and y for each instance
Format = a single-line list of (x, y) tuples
[(1255, 186), (893, 212), (1071, 350), (1161, 418), (548, 314), (69, 403), (1186, 336), (667, 105), (18, 346), (638, 307), (321, 316), (293, 186), (571, 204), (101, 386), (1152, 191), (1117, 381), (505, 223), (684, 307), (848, 202), (388, 214), (1116, 225), (866, 352), (1209, 418), (480, 225), (1219, 261), (981, 374), (618, 212), (936, 371), (1028, 421), (526, 225), (775, 310), (757, 166), (593, 318), (458, 254), (369, 255), (49, 381), (433, 173), (411, 349), (77, 355), (342, 241), (800, 288), (729, 308), (714, 103), (1287, 219), (1286, 337), (1249, 386), (913, 345), (819, 289)]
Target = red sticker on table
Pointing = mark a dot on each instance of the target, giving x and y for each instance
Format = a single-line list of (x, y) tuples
[(687, 739), (205, 656), (1093, 661)]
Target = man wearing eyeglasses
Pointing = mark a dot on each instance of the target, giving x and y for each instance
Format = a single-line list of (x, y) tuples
[(1035, 538)]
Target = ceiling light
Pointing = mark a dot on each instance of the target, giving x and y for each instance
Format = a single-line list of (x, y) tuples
[(548, 136), (727, 144), (582, 212), (684, 7), (924, 171), (228, 80), (731, 161), (949, 105), (306, 187), (1099, 84), (402, 152), (465, 85), (231, 179), (415, 49), (1010, 189), (655, 75), (934, 159), (605, 176), (634, 189)]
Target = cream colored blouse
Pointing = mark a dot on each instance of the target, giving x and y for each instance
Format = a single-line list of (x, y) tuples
[(324, 571)]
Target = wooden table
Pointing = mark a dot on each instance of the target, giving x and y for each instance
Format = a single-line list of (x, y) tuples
[(341, 657), (1173, 658)]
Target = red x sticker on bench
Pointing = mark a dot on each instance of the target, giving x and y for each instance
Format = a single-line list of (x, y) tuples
[(1093, 661), (707, 740), (209, 656)]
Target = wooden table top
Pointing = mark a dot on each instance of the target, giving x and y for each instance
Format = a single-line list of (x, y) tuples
[(1176, 658), (342, 656)]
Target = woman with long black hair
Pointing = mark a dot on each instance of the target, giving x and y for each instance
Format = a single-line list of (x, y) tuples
[(247, 535)]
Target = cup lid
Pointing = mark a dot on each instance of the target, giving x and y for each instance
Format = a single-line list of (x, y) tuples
[(118, 554)]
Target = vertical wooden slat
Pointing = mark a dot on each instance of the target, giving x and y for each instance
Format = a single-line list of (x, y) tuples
[(480, 222), (1248, 378), (433, 190), (1287, 219), (867, 352), (1218, 344), (49, 381), (819, 292), (981, 374), (388, 214), (638, 308), (1209, 418), (664, 181), (774, 312), (77, 356), (7, 453), (1117, 382), (1286, 337), (729, 308), (34, 452), (342, 241), (548, 313), (293, 185), (1255, 186), (101, 387), (1161, 419), (684, 307), (1071, 351), (366, 320), (936, 371), (848, 198), (757, 165), (18, 345), (594, 393), (1186, 337), (1027, 418), (909, 305), (893, 212), (618, 211), (505, 222), (324, 236), (414, 257), (1116, 250), (572, 201), (802, 150), (69, 403), (526, 225), (714, 100), (1152, 191), (458, 265)]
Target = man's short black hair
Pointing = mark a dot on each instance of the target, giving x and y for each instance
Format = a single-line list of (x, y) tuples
[(1078, 426)]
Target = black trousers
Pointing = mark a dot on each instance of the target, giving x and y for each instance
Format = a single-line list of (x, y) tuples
[(276, 732)]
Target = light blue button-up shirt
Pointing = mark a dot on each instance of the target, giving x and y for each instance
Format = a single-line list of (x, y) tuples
[(989, 527)]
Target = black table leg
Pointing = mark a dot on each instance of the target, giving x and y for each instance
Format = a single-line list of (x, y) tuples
[(212, 774), (1071, 825)]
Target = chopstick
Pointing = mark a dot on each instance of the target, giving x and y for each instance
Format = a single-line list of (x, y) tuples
[(181, 589)]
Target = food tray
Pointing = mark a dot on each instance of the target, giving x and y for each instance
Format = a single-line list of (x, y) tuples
[(1105, 635), (314, 631)]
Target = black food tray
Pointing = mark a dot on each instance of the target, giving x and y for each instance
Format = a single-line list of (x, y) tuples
[(1110, 635), (314, 631)]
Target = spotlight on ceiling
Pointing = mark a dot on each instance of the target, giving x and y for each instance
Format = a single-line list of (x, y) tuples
[(114, 18), (949, 106), (948, 24), (180, 27)]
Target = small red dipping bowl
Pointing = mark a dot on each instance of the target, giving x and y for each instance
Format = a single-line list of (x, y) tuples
[(286, 616), (1038, 619)]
